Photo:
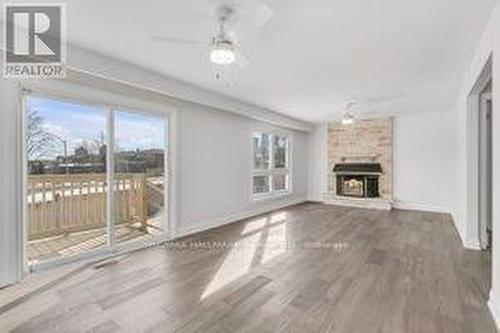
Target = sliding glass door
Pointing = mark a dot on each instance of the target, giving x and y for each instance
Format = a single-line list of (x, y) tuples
[(139, 174), (66, 178), (70, 209)]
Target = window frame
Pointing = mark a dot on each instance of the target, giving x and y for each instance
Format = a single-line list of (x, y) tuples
[(272, 171)]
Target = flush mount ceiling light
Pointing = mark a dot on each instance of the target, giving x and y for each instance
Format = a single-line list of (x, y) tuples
[(222, 53)]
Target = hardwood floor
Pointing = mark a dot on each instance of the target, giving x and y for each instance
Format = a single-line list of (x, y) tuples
[(307, 268)]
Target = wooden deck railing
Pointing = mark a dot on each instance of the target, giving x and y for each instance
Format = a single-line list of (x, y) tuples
[(60, 204)]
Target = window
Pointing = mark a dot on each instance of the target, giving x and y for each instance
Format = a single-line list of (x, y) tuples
[(271, 159)]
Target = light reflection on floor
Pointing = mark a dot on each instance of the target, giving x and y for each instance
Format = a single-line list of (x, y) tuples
[(275, 244), (255, 225), (235, 265), (266, 234)]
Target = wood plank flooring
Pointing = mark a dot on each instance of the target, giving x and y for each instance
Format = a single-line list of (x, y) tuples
[(307, 268)]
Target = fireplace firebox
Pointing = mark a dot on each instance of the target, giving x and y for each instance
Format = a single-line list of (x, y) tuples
[(358, 180)]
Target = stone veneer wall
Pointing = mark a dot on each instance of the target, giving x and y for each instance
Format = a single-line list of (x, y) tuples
[(358, 142)]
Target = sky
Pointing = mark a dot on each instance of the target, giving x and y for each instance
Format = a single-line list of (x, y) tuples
[(76, 123)]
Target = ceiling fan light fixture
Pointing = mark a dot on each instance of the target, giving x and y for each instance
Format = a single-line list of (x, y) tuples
[(222, 53), (348, 119)]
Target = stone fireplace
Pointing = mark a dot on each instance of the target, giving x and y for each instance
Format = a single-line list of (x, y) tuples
[(360, 163)]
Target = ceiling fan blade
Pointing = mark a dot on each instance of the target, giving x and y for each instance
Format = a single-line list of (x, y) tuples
[(252, 15), (181, 41), (264, 14), (241, 59)]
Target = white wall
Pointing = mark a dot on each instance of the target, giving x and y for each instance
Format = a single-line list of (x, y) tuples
[(318, 163), (490, 43), (10, 261), (213, 160), (102, 66), (425, 161), (214, 168)]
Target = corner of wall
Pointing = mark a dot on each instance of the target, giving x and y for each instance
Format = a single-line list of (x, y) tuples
[(467, 242), (317, 167)]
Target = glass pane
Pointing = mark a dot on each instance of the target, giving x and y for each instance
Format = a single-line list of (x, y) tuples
[(260, 184), (280, 182), (261, 145), (139, 176), (66, 184), (280, 144)]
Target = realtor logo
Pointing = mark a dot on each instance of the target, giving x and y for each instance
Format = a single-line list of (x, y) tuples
[(35, 44)]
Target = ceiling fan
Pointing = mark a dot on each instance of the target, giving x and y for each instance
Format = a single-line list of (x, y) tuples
[(348, 118), (223, 47)]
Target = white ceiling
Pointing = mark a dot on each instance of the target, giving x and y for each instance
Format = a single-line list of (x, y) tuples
[(390, 55)]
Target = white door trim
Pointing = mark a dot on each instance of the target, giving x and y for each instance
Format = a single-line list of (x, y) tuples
[(472, 232), (485, 168)]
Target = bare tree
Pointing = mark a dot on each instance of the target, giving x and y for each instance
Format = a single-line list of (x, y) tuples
[(39, 141), (100, 141)]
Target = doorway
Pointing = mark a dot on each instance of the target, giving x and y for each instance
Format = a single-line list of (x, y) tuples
[(479, 161), (95, 179), (485, 168)]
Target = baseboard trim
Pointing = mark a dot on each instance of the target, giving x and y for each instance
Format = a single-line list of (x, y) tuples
[(421, 207), (471, 244), (315, 198), (232, 218)]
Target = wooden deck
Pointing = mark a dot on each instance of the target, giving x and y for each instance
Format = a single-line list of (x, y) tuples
[(76, 243), (62, 204), (67, 213)]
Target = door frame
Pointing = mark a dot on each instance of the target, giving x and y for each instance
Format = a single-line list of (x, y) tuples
[(473, 226), (484, 136), (110, 101)]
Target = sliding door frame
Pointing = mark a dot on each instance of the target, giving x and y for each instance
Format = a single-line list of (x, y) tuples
[(110, 102), (110, 177), (167, 195)]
